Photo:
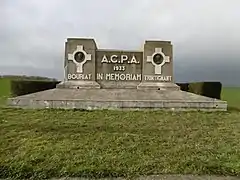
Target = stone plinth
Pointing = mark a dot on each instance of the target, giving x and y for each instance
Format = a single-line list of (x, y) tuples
[(80, 64), (157, 69), (121, 99)]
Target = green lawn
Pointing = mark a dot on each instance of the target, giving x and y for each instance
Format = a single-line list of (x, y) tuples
[(4, 90), (55, 143), (232, 96)]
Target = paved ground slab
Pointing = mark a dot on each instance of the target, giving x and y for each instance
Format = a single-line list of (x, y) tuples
[(117, 99)]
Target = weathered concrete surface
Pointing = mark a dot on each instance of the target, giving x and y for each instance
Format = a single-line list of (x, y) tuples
[(117, 99), (79, 85), (158, 86)]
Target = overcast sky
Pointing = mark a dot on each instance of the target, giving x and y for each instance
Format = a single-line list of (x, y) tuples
[(33, 32)]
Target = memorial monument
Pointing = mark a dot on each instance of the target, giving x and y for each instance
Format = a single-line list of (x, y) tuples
[(115, 79)]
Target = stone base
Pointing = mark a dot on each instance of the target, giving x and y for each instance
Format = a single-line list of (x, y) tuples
[(118, 85), (119, 99), (78, 85), (158, 86)]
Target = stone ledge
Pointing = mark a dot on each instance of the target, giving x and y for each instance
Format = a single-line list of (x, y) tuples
[(122, 99), (78, 85), (158, 86), (118, 105)]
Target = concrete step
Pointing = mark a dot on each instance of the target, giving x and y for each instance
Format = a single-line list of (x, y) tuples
[(130, 99)]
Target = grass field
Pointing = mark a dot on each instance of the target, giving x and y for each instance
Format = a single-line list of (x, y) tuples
[(4, 90), (232, 96), (48, 143), (56, 143)]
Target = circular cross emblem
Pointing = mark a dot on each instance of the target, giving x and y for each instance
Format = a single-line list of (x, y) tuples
[(79, 57), (158, 59)]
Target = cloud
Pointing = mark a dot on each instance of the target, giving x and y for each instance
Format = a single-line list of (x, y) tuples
[(33, 32)]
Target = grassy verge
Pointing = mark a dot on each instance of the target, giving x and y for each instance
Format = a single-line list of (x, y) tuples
[(232, 96), (4, 90), (55, 143)]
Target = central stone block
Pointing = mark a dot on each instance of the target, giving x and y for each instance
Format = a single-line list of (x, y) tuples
[(86, 66), (119, 69)]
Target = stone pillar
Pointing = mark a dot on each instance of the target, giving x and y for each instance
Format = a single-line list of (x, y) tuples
[(157, 69), (79, 64)]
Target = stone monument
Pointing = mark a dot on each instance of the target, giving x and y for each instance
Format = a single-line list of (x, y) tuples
[(115, 79)]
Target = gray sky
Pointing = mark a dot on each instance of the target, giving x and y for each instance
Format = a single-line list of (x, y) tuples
[(33, 32)]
